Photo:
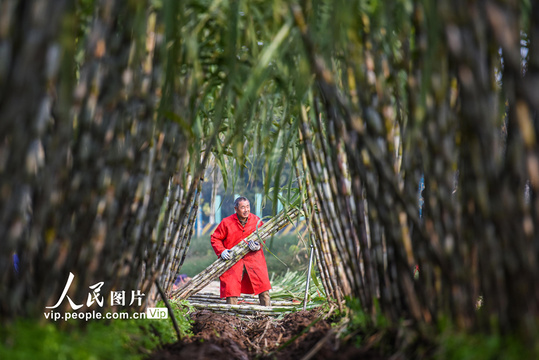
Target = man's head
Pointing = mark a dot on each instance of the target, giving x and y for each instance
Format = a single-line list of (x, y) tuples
[(242, 207)]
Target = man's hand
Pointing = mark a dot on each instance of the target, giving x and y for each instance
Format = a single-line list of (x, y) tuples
[(226, 254), (253, 245)]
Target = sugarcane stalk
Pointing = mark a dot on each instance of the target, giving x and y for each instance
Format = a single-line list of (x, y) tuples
[(313, 228), (241, 302), (308, 278), (324, 196), (247, 309), (184, 235), (218, 268), (190, 230), (340, 214), (172, 208), (244, 308), (327, 249), (170, 311), (214, 298), (326, 191), (324, 260)]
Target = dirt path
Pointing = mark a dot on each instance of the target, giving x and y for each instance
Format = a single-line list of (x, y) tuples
[(218, 336), (297, 335)]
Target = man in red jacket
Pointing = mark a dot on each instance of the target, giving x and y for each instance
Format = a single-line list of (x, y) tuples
[(250, 274)]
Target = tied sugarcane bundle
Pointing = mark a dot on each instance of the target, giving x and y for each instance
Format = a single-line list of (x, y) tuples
[(250, 310), (242, 300), (218, 267), (246, 309)]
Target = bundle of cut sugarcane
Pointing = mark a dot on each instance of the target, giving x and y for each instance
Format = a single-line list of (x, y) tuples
[(247, 300), (216, 269), (248, 309), (215, 297)]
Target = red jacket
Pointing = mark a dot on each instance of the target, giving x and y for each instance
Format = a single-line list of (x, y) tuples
[(228, 234)]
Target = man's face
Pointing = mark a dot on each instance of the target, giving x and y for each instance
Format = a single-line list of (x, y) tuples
[(243, 209)]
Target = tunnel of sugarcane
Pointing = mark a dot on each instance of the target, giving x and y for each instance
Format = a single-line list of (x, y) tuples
[(404, 133)]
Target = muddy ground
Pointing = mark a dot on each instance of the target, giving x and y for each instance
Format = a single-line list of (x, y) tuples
[(217, 336)]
